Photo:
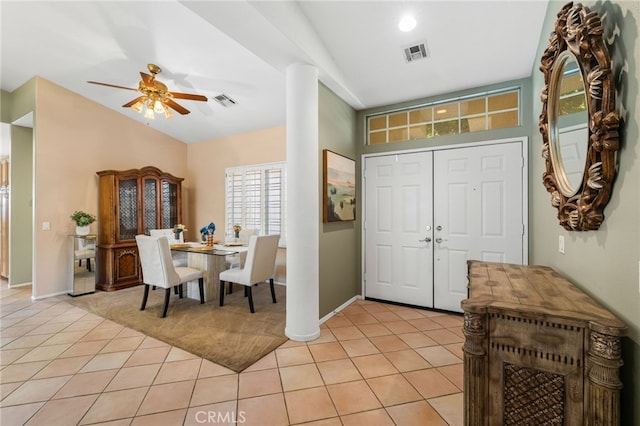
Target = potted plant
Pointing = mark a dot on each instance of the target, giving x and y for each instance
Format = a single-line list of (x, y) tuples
[(82, 221)]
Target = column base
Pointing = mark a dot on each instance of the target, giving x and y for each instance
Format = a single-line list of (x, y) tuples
[(302, 337)]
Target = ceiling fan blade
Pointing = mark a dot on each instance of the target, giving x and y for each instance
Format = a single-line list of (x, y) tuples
[(112, 85), (139, 98), (179, 108), (188, 96)]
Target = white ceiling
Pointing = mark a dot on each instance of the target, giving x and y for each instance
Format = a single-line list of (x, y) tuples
[(242, 49)]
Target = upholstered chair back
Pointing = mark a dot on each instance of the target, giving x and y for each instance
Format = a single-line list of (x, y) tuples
[(156, 261)]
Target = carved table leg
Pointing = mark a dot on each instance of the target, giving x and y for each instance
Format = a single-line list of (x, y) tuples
[(603, 398), (476, 371)]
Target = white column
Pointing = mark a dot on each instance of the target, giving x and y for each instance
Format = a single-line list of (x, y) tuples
[(303, 211)]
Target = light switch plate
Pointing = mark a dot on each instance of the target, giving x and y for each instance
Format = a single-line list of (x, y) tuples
[(45, 226), (561, 244)]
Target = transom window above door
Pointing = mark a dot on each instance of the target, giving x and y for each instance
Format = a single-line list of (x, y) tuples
[(486, 111)]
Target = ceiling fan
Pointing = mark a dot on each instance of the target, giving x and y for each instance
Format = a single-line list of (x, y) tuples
[(155, 95)]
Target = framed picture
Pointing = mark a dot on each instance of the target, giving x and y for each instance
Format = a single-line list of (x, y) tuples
[(339, 187)]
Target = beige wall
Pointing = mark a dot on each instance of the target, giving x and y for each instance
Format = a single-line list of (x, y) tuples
[(204, 192), (206, 163), (605, 262), (75, 138)]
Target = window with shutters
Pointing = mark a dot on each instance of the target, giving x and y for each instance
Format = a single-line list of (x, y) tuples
[(255, 199)]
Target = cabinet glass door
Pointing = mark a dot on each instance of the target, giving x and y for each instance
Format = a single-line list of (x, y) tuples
[(169, 204), (150, 205), (128, 205)]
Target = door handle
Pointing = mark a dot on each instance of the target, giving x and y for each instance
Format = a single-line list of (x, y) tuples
[(426, 240), (439, 240)]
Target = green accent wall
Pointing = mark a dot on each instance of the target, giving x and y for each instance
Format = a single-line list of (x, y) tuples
[(21, 207), (14, 106), (339, 263), (603, 263)]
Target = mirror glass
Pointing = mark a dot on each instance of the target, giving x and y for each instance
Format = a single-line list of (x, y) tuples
[(82, 270), (568, 120)]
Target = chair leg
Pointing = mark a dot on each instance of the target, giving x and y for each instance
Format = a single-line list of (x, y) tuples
[(201, 288), (175, 290), (230, 288), (221, 293), (248, 289), (273, 290), (145, 296), (180, 290), (246, 293), (167, 295)]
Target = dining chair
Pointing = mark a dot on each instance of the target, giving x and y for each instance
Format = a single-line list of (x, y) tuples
[(179, 259), (245, 235), (258, 267), (158, 270), (237, 260)]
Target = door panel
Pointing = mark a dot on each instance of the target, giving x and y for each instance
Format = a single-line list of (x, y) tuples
[(398, 211), (477, 214)]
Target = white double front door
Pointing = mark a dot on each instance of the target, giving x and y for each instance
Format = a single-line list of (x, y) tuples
[(427, 213)]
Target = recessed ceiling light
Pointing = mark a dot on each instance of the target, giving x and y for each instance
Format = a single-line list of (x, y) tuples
[(407, 23)]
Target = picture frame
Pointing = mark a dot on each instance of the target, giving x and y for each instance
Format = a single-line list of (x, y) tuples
[(339, 187)]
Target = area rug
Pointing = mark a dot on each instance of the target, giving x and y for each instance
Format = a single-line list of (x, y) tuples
[(230, 335)]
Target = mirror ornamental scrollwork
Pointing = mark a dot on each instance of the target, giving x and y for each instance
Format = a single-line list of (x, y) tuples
[(580, 195)]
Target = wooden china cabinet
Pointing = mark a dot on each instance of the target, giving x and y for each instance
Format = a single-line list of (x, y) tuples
[(130, 203)]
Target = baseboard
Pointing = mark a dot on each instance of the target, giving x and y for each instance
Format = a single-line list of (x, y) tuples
[(19, 285), (65, 292), (339, 308)]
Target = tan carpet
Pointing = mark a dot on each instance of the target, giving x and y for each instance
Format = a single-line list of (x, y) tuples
[(230, 335)]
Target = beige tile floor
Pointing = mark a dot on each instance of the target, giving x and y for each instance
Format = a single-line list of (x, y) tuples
[(374, 364)]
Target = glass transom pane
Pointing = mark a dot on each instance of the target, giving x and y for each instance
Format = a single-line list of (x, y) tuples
[(503, 101)]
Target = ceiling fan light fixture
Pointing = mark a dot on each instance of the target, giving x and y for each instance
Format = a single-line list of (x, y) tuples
[(137, 107), (158, 107), (148, 114), (167, 112)]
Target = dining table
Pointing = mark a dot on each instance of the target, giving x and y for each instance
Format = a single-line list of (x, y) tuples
[(211, 260)]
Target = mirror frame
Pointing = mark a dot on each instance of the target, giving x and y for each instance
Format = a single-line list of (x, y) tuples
[(580, 31)]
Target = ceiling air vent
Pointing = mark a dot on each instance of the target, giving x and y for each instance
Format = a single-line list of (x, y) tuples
[(416, 52), (224, 100)]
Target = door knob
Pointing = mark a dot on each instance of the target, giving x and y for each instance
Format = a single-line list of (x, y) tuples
[(439, 228), (439, 240), (426, 240)]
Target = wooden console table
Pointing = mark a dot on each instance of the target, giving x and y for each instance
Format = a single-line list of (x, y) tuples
[(537, 350)]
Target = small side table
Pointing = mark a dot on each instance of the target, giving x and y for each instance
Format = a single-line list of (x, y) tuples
[(81, 254)]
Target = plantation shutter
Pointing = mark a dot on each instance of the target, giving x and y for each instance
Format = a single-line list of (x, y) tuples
[(255, 199)]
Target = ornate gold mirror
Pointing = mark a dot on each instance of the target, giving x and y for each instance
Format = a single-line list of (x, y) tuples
[(578, 122)]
